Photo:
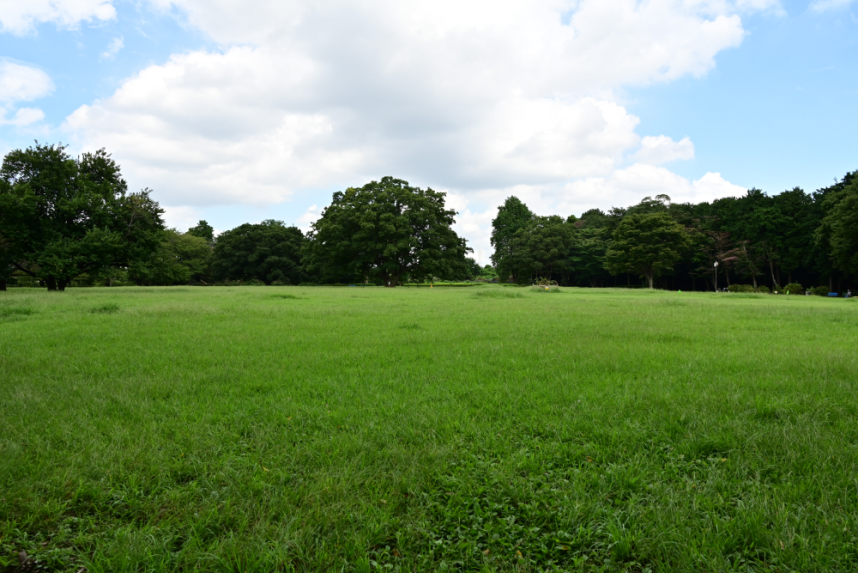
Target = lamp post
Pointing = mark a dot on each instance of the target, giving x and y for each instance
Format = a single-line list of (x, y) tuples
[(716, 276)]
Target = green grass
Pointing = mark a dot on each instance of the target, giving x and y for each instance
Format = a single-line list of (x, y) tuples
[(480, 429)]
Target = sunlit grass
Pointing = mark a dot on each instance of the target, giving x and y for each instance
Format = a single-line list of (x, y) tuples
[(316, 429)]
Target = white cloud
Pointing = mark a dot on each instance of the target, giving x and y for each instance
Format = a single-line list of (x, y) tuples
[(24, 116), (22, 83), (662, 149), (823, 5), (308, 218), (476, 96), (113, 48), (21, 16), (181, 217)]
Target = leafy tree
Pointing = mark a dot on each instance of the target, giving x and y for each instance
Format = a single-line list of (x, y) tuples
[(386, 230), (541, 248), (204, 231), (843, 224), (797, 237), (472, 268), (513, 216), (180, 258), (587, 255), (267, 252), (648, 245), (63, 217)]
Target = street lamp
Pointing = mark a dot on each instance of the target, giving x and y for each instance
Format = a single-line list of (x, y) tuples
[(716, 276)]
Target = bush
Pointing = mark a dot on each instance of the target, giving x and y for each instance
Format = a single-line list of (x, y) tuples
[(763, 289), (820, 291), (793, 288), (740, 288)]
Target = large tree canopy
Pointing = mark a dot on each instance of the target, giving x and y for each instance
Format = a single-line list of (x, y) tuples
[(387, 230), (267, 252), (648, 245), (61, 217)]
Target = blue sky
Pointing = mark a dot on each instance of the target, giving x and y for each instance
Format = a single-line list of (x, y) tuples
[(238, 114)]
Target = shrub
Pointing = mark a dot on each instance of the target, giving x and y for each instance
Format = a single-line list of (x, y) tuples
[(793, 288), (820, 291), (740, 288), (763, 289)]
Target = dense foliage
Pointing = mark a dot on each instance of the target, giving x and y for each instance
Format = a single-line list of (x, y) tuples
[(62, 217), (387, 231), (765, 241), (269, 252)]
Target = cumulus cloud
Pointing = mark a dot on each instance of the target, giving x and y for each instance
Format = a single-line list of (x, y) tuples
[(662, 149), (21, 83), (474, 96), (21, 16)]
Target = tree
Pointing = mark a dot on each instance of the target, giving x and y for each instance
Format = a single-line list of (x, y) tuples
[(587, 255), (513, 216), (180, 258), (204, 231), (386, 230), (267, 252), (541, 249), (648, 245), (63, 217), (843, 224)]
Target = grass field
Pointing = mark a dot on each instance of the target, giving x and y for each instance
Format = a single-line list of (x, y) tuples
[(479, 429)]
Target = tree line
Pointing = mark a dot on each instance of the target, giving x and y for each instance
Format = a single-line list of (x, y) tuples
[(71, 221), (761, 241)]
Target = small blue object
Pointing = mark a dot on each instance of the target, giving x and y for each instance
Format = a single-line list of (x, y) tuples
[(832, 294)]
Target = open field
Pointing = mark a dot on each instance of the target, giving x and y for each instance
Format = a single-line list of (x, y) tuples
[(479, 429)]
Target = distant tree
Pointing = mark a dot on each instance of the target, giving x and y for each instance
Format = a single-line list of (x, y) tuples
[(513, 216), (62, 217), (648, 245), (180, 258), (541, 249), (843, 224), (796, 238), (202, 230), (386, 230), (587, 255), (592, 219), (488, 273), (472, 268), (267, 252)]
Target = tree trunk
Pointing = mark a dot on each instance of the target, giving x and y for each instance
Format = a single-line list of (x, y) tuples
[(51, 283), (61, 285), (649, 278), (727, 274), (774, 280), (754, 278), (830, 282), (2, 285)]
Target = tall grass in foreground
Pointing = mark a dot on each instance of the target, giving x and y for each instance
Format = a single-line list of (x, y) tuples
[(323, 429)]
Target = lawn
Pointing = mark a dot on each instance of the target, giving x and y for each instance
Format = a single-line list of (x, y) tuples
[(476, 429)]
